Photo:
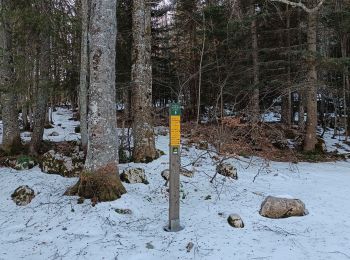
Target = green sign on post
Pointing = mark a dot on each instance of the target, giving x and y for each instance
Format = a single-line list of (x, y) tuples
[(175, 109)]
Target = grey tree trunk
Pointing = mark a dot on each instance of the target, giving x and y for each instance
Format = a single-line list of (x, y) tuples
[(101, 181), (11, 134), (311, 91), (41, 95), (141, 76), (84, 73)]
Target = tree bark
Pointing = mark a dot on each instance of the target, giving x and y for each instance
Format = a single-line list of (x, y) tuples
[(311, 91), (254, 102), (141, 76), (84, 74), (41, 95), (11, 133), (344, 41), (286, 97), (100, 181)]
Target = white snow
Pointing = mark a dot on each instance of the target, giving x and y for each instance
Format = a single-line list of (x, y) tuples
[(54, 226)]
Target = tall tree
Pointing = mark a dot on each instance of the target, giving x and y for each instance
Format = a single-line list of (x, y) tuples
[(42, 93), (11, 135), (141, 77), (255, 108), (100, 180), (311, 91), (84, 73)]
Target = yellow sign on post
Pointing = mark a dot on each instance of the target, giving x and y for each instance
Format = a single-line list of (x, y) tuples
[(175, 130)]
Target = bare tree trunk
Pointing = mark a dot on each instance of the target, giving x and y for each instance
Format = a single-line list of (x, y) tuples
[(200, 72), (344, 41), (301, 112), (255, 108), (11, 134), (100, 181), (26, 125), (141, 76), (311, 91), (41, 95), (286, 97), (84, 74)]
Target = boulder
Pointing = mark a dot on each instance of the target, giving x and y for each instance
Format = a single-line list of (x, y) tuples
[(227, 170), (23, 195), (274, 207), (56, 163), (235, 221), (134, 175)]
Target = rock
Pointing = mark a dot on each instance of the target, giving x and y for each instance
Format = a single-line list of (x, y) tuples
[(149, 245), (124, 211), (203, 145), (187, 173), (189, 247), (23, 195), (235, 221), (162, 131), (273, 207), (134, 175), (165, 174), (54, 134), (57, 163), (227, 170), (21, 163)]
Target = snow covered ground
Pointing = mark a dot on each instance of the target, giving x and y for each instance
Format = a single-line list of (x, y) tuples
[(54, 226)]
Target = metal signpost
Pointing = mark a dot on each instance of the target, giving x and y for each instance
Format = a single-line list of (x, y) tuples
[(174, 179)]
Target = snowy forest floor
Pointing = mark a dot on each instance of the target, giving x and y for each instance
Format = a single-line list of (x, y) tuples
[(54, 226)]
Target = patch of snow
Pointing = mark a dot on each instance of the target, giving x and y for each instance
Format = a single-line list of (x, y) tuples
[(54, 226)]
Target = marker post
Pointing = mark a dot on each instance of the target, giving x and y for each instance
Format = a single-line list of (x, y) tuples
[(174, 178)]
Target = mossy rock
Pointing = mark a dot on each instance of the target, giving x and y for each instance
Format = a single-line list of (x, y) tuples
[(20, 163), (57, 163)]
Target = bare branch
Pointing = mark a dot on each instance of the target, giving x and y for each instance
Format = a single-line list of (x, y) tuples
[(301, 5)]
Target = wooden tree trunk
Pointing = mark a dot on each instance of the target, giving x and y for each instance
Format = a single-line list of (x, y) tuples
[(311, 91), (301, 111), (286, 97), (11, 134), (254, 102), (344, 41), (84, 73), (101, 181), (41, 95), (141, 76)]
